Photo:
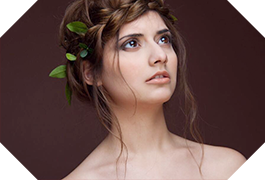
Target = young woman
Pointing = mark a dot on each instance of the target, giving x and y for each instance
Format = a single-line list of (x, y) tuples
[(127, 58)]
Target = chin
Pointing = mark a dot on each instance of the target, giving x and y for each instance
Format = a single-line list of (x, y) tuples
[(158, 99)]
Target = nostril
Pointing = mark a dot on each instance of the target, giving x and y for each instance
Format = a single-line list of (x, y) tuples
[(157, 61)]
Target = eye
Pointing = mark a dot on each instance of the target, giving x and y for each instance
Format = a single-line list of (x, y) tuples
[(130, 44), (165, 39)]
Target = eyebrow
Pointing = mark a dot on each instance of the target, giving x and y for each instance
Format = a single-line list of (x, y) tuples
[(162, 31), (139, 34)]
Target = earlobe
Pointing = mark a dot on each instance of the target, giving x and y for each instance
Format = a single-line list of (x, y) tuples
[(99, 83), (88, 75)]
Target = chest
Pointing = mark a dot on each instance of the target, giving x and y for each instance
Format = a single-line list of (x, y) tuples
[(165, 171), (159, 169)]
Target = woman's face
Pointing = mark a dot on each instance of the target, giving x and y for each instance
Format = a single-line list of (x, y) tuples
[(147, 62)]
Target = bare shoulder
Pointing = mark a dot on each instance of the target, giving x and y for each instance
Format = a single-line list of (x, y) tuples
[(97, 165), (91, 168), (79, 175), (221, 162), (82, 172)]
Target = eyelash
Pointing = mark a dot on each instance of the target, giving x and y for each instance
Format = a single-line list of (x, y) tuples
[(123, 46)]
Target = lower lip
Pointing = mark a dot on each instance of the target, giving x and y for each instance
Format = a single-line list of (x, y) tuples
[(159, 81)]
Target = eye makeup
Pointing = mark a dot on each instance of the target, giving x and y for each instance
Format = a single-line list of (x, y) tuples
[(134, 40)]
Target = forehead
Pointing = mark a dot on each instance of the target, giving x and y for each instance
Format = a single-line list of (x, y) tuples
[(149, 22)]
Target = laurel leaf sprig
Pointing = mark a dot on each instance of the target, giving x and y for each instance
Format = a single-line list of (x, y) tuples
[(59, 72), (79, 28), (173, 17)]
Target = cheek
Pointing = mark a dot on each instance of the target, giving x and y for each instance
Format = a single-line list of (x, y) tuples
[(173, 62), (131, 68), (176, 64), (120, 85), (173, 67), (130, 74), (114, 74)]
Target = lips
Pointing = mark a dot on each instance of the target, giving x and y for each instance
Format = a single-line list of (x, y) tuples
[(159, 75)]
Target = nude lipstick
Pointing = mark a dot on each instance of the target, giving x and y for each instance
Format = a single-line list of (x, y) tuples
[(161, 77)]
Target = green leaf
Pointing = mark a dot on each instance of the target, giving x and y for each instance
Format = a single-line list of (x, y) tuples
[(59, 72), (68, 94), (77, 27), (173, 17), (83, 53), (90, 51), (70, 57), (82, 45)]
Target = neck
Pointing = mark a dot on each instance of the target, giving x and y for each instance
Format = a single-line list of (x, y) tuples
[(143, 130)]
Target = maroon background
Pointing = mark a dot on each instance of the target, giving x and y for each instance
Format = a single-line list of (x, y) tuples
[(226, 71)]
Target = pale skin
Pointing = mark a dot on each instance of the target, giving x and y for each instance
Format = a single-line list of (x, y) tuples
[(153, 151)]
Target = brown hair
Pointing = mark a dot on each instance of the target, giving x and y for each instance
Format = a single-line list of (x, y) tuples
[(104, 19)]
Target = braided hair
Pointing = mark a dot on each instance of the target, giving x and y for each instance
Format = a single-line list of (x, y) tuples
[(104, 18)]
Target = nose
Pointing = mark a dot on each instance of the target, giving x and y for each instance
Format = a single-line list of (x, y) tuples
[(157, 55)]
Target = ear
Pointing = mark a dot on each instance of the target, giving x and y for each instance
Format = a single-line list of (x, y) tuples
[(88, 75)]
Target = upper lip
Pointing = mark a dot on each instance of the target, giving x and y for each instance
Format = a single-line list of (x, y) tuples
[(164, 73)]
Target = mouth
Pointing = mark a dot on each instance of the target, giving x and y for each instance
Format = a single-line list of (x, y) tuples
[(160, 77)]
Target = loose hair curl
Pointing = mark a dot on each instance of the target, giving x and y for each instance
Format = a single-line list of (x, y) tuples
[(104, 19)]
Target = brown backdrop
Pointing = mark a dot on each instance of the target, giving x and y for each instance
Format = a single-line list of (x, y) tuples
[(226, 71)]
